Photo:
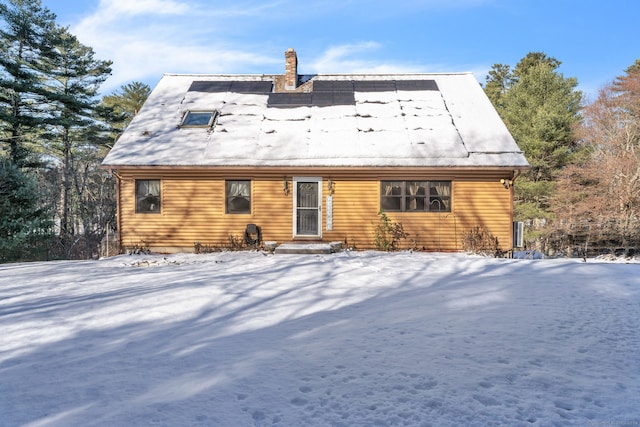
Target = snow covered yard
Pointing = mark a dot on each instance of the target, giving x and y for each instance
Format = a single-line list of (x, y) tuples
[(350, 339)]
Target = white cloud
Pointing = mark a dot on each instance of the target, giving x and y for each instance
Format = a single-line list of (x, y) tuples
[(146, 38), (363, 57), (352, 58), (337, 53), (116, 8)]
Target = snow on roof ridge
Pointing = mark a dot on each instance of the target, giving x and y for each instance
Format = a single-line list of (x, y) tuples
[(320, 76), (226, 76), (393, 74)]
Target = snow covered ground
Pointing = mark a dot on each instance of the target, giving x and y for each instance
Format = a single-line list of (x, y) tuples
[(350, 339)]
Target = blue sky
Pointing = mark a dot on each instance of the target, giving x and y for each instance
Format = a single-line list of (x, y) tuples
[(594, 40)]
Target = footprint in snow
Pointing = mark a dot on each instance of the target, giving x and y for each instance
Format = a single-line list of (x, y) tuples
[(486, 400), (298, 401), (562, 404), (258, 416), (426, 385)]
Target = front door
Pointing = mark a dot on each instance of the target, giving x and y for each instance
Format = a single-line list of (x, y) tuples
[(307, 218)]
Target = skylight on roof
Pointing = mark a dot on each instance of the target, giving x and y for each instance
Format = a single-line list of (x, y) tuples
[(198, 119)]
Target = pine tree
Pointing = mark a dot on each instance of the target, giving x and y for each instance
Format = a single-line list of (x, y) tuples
[(118, 108), (540, 107), (25, 226), (498, 82), (75, 77), (49, 120), (25, 40), (127, 101)]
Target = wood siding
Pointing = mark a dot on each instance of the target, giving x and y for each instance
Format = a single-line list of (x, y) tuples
[(193, 208)]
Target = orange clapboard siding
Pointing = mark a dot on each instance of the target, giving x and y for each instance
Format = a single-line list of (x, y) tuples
[(193, 208), (486, 204)]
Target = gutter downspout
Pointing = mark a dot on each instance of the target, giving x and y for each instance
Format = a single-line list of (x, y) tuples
[(516, 175), (114, 172)]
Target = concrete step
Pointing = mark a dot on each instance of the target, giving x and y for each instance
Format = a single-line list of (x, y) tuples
[(308, 248)]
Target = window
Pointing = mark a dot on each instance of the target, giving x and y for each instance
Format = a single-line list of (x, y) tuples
[(238, 197), (415, 196), (439, 196), (198, 119), (147, 196)]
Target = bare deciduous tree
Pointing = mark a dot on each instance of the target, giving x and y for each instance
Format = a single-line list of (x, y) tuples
[(601, 194)]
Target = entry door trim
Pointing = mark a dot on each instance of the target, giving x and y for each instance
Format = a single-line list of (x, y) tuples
[(296, 181)]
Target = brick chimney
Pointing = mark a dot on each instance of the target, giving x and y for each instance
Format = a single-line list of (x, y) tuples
[(290, 70)]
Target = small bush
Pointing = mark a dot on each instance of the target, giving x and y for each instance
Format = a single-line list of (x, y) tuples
[(350, 245), (138, 248), (203, 248), (387, 234), (234, 243), (479, 240)]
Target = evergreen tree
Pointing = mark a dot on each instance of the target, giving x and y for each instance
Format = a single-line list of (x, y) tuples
[(74, 80), (25, 227), (498, 82), (540, 107), (126, 101), (119, 108), (532, 60), (25, 40), (49, 110)]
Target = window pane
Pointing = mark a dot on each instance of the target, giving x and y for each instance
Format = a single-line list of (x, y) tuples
[(416, 204), (308, 195), (416, 195), (391, 188), (391, 195), (148, 196), (307, 221), (197, 118), (440, 196), (390, 203), (238, 196)]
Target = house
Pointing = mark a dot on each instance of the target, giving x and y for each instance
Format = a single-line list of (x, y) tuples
[(314, 158)]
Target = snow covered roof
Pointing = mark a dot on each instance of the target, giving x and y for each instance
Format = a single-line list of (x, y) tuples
[(418, 120)]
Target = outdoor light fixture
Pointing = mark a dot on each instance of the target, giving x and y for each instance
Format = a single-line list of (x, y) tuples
[(507, 183), (330, 186), (285, 186)]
